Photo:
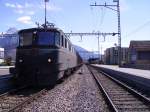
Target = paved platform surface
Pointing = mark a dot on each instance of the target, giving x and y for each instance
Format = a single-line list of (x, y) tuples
[(4, 70), (136, 72)]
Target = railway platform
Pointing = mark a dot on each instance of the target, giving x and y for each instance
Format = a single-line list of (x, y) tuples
[(134, 77), (131, 71), (6, 79), (4, 70)]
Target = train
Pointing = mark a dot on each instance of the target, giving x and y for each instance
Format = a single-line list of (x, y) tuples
[(43, 56)]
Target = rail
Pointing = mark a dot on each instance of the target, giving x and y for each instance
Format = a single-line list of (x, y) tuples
[(27, 100), (19, 101), (108, 99), (113, 88)]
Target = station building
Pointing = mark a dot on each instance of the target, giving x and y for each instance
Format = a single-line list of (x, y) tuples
[(136, 56), (139, 54), (111, 55)]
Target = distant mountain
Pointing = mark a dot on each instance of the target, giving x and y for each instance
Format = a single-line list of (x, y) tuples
[(9, 42), (85, 54), (11, 30)]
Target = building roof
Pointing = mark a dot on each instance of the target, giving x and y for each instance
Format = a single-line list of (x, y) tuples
[(140, 44)]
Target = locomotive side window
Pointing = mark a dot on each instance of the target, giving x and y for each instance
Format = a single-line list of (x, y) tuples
[(62, 41), (46, 38), (25, 39), (65, 43), (57, 38)]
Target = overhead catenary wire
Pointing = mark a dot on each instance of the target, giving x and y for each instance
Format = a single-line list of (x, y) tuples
[(138, 29), (101, 15)]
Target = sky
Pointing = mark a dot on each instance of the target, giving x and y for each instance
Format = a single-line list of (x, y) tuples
[(78, 16)]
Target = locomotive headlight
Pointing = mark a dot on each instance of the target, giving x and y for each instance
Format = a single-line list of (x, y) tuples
[(49, 60), (20, 60)]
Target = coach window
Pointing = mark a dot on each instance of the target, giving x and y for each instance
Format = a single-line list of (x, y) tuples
[(57, 38)]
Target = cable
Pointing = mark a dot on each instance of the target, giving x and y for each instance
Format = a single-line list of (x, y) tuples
[(102, 16), (138, 29)]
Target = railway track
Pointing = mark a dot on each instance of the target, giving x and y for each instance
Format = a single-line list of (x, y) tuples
[(119, 96), (6, 83), (13, 101)]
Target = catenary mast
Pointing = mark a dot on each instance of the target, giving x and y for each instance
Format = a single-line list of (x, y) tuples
[(119, 25)]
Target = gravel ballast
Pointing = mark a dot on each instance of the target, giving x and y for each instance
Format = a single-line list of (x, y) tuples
[(78, 93)]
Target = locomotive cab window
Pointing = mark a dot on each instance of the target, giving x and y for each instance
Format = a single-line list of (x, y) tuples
[(46, 38), (25, 39), (39, 38)]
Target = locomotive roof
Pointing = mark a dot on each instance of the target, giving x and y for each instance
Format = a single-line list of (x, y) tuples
[(42, 29), (39, 29)]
